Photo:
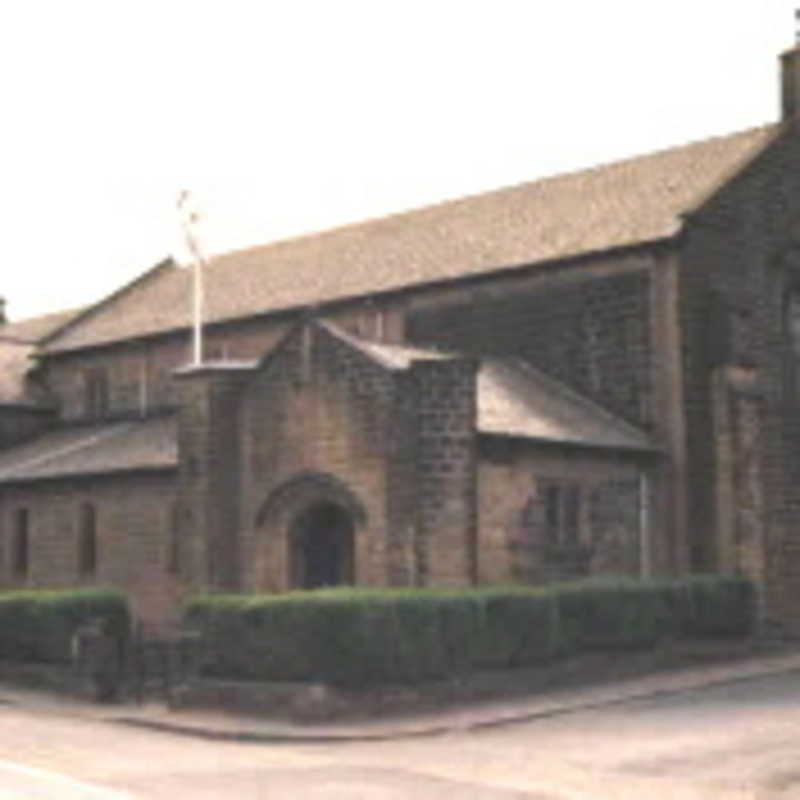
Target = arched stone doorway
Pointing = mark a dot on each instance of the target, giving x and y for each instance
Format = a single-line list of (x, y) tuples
[(321, 546), (309, 533)]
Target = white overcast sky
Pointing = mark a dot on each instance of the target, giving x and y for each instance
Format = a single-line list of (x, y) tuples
[(290, 116)]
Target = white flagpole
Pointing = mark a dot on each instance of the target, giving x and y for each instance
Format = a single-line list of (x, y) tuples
[(197, 273), (189, 219)]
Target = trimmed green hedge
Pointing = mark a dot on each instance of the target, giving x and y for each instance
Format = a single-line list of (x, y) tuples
[(38, 625), (364, 636)]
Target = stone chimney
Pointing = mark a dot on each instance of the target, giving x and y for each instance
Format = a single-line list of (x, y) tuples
[(790, 80)]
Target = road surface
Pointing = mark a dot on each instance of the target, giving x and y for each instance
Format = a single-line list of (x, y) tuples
[(725, 743)]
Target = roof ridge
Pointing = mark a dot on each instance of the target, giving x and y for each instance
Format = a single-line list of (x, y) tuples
[(543, 179), (601, 208), (69, 315), (87, 311)]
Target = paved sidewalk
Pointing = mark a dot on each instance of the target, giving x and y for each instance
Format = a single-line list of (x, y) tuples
[(210, 724)]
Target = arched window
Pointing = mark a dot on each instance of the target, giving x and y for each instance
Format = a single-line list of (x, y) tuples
[(96, 392), (173, 546), (792, 327), (87, 540), (20, 557)]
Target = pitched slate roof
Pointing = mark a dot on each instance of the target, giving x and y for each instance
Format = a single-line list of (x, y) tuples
[(621, 204), (17, 346), (391, 356), (34, 329), (15, 361), (515, 399), (93, 450)]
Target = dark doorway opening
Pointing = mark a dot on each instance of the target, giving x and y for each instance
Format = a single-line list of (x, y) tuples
[(322, 547)]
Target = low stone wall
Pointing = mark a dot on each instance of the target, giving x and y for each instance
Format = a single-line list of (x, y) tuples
[(50, 677), (303, 702)]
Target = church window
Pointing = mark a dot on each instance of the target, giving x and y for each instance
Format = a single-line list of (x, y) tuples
[(20, 559), (561, 514), (87, 540), (793, 321), (173, 551), (552, 513), (216, 351), (371, 323), (96, 392), (792, 325)]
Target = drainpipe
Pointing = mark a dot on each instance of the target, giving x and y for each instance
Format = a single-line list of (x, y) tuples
[(645, 555), (143, 388)]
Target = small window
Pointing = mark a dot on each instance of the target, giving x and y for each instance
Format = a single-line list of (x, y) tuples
[(570, 513), (174, 550), (215, 351), (562, 514), (793, 321), (87, 540), (371, 323), (792, 326), (21, 545), (96, 392), (552, 513)]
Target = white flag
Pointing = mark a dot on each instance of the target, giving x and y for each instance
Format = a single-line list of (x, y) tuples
[(190, 222), (190, 217)]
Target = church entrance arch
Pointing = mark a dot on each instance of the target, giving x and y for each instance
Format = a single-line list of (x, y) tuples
[(308, 532), (321, 546)]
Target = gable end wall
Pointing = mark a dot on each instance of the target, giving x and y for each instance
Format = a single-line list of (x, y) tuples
[(734, 280)]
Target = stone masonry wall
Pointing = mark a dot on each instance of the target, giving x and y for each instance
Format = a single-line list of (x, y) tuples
[(140, 371), (735, 280), (317, 407), (588, 324), (521, 540), (208, 476), (405, 556), (446, 480), (590, 331), (133, 515), (18, 424), (322, 419)]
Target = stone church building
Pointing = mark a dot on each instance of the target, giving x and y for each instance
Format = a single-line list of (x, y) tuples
[(596, 373)]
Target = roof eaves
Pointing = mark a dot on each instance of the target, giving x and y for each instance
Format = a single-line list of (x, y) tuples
[(663, 240), (89, 474), (74, 447), (572, 443), (31, 405), (161, 266), (216, 367)]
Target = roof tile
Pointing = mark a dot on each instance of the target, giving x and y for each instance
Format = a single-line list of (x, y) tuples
[(514, 399), (620, 204), (95, 449)]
